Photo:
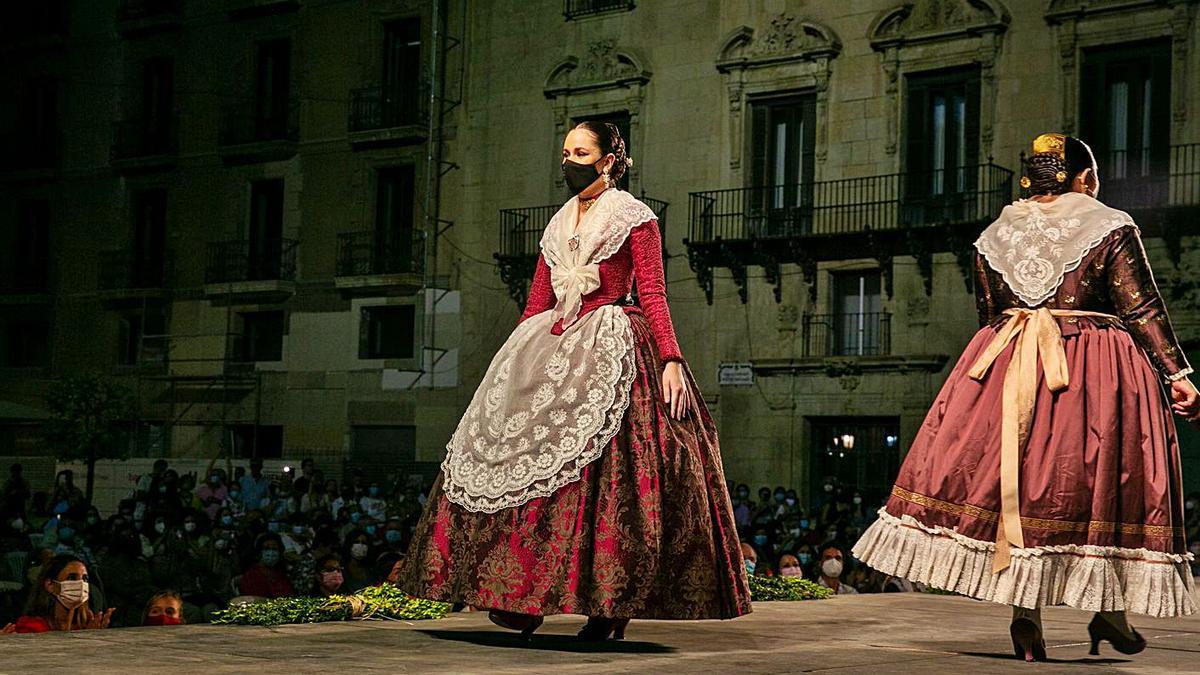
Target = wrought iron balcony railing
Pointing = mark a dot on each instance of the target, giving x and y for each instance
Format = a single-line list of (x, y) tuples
[(1138, 180), (243, 260), (521, 229), (574, 9), (121, 270), (281, 123), (374, 108), (134, 139), (851, 205), (849, 334), (520, 235), (371, 253), (136, 10)]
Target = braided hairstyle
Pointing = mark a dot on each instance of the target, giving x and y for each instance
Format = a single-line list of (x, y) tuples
[(1046, 173), (608, 137)]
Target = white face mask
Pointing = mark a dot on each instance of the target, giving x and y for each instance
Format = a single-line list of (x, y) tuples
[(73, 593), (18, 524), (189, 527), (359, 550), (832, 568), (160, 527)]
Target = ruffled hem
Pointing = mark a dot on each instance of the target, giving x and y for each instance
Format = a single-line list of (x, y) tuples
[(1091, 578)]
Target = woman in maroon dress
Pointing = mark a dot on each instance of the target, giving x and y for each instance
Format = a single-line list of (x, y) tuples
[(1047, 470), (585, 476)]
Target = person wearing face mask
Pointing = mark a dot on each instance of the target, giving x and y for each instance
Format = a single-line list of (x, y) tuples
[(213, 493), (266, 577), (743, 508), (255, 486), (830, 571), (358, 561), (59, 600), (750, 559), (789, 566), (373, 504), (598, 384), (329, 578), (165, 608)]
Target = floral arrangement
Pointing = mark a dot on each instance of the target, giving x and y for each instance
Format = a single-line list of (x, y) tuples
[(767, 589), (384, 602)]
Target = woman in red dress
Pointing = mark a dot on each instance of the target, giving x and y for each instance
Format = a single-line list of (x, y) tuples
[(585, 476), (1047, 470)]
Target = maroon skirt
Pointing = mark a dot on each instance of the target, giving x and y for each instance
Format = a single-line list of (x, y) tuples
[(646, 532), (1100, 487)]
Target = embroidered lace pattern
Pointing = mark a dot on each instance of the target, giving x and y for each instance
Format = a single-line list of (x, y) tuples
[(549, 404), (1034, 245)]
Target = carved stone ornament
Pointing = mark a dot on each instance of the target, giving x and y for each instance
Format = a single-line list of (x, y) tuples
[(603, 66), (1075, 30), (790, 53), (974, 25), (933, 20)]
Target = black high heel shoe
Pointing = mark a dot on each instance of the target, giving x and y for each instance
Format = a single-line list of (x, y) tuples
[(599, 629), (1027, 640), (525, 623), (1100, 629)]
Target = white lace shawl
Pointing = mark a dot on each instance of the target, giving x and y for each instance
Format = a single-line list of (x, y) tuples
[(1033, 245), (602, 231)]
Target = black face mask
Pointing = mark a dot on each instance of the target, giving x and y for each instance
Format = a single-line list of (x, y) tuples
[(578, 176)]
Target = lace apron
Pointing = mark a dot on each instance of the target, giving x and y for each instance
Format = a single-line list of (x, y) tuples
[(549, 404)]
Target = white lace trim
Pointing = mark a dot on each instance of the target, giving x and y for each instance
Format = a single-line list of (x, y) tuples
[(1033, 245), (548, 406), (603, 229), (1092, 578)]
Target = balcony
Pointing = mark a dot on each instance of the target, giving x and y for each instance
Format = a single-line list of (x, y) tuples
[(34, 25), (871, 217), (247, 137), (251, 270), (854, 334), (577, 9), (248, 9), (520, 236), (29, 155), (138, 146), (369, 264), (1162, 194), (128, 279), (143, 17), (381, 117), (26, 283)]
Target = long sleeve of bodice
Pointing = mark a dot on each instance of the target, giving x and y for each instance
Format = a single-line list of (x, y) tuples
[(646, 246), (985, 304), (541, 293), (1135, 296)]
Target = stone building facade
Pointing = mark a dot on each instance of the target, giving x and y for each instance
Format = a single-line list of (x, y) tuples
[(303, 227)]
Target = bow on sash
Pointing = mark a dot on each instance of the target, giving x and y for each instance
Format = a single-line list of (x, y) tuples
[(1035, 332), (571, 283)]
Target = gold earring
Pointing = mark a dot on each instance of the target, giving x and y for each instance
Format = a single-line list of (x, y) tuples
[(607, 180), (1025, 182)]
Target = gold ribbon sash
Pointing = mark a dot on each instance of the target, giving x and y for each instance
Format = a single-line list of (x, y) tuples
[(1036, 333)]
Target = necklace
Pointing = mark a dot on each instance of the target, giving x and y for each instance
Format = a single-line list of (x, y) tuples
[(584, 205)]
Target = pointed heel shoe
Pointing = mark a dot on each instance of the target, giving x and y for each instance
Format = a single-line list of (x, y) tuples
[(1100, 629), (599, 629), (526, 624), (1027, 640)]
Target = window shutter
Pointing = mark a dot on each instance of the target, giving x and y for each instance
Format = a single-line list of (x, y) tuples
[(364, 333), (758, 156)]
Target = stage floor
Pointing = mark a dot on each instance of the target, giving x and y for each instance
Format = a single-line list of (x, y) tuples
[(894, 633)]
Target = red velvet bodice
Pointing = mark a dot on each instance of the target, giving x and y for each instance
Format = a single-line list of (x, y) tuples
[(639, 257)]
